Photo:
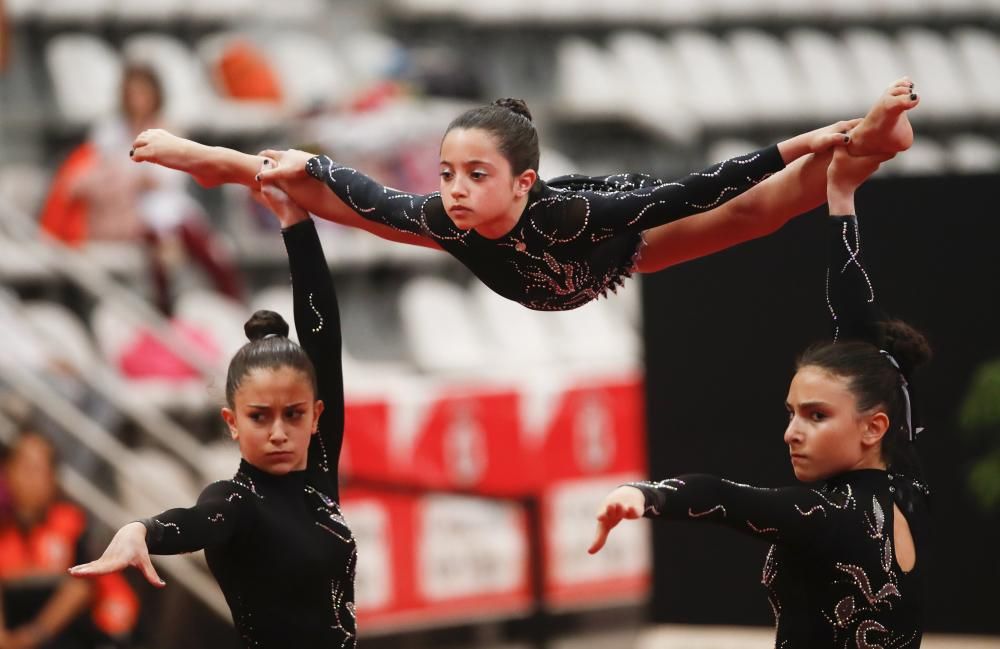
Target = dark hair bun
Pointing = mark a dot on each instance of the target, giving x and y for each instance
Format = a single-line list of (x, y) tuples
[(907, 345), (514, 105), (263, 323)]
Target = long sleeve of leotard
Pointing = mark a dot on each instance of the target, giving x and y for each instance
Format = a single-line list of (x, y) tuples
[(611, 213), (220, 511), (317, 323), (849, 292), (788, 514), (371, 200)]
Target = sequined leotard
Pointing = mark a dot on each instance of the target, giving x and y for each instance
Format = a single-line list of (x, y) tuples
[(578, 236), (831, 574), (278, 545)]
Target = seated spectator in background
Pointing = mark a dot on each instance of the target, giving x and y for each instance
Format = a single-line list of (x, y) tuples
[(42, 536), (98, 196)]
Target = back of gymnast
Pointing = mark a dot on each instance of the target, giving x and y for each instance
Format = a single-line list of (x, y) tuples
[(559, 244), (848, 560), (273, 535)]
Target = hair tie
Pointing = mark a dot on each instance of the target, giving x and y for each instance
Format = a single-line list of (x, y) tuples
[(905, 386)]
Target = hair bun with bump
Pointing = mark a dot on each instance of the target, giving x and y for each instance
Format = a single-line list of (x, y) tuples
[(263, 323), (907, 345), (515, 106)]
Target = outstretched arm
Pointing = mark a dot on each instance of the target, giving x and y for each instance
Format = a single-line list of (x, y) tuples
[(786, 515), (850, 295), (317, 323), (799, 188), (762, 210), (213, 521), (211, 166)]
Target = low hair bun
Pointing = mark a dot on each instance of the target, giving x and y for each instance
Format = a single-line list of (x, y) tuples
[(907, 345), (264, 323)]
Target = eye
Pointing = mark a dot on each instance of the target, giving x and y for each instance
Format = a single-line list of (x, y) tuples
[(256, 417), (818, 416), (295, 414), (445, 174), (478, 175)]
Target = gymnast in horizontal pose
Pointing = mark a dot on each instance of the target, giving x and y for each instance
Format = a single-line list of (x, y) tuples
[(557, 245), (848, 557)]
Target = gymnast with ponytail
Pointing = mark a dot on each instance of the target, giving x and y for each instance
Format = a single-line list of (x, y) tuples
[(274, 535), (848, 558)]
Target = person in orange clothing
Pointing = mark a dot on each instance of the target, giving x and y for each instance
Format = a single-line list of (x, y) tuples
[(40, 537)]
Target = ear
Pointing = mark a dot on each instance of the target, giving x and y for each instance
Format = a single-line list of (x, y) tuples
[(875, 429), (317, 411), (524, 182), (229, 417)]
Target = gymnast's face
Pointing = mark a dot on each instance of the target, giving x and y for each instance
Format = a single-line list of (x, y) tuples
[(477, 185), (826, 433), (275, 413)]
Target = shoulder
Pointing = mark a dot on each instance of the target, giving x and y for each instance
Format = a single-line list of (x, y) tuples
[(621, 182), (229, 491)]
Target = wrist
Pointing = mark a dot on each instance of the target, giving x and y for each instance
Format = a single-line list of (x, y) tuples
[(795, 147), (135, 527)]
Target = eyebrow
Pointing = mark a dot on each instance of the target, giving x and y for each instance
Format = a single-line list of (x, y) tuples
[(469, 163), (265, 406), (809, 404)]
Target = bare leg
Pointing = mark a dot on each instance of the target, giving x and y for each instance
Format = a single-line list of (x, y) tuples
[(210, 166), (886, 129), (800, 187)]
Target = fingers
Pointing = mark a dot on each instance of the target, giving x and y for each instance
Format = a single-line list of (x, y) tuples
[(600, 539), (149, 572), (270, 171), (826, 141), (94, 568), (273, 154)]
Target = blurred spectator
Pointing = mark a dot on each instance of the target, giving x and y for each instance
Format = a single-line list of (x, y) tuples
[(40, 537), (98, 194)]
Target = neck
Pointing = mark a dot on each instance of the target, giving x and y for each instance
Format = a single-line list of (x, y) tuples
[(870, 462), (503, 224)]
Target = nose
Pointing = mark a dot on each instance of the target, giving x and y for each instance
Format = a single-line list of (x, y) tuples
[(277, 436), (792, 434), (458, 189)]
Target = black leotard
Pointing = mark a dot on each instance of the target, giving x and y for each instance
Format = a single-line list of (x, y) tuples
[(578, 236), (831, 573), (278, 545)]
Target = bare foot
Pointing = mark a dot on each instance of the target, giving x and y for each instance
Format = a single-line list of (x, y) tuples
[(168, 150), (886, 129)]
